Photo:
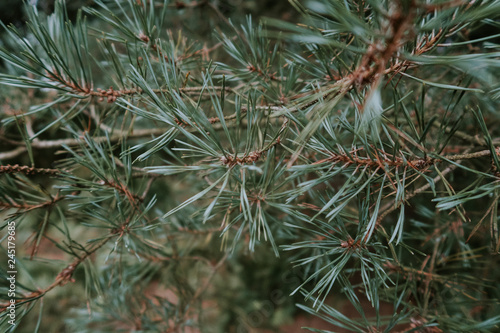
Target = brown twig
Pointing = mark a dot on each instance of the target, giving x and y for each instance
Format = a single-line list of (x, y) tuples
[(390, 207), (29, 207), (255, 155), (392, 161), (64, 277), (24, 169), (119, 135), (12, 154)]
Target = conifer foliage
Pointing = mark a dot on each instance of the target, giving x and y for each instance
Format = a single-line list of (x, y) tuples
[(169, 167)]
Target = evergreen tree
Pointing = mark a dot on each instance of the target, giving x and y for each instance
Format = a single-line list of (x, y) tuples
[(177, 166)]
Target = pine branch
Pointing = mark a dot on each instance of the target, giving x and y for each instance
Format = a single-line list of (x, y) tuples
[(299, 139)]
